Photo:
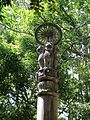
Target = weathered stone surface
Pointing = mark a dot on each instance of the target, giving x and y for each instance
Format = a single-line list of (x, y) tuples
[(47, 106), (47, 86), (46, 55), (46, 73)]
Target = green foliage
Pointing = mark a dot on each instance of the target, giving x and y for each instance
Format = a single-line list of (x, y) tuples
[(18, 58), (5, 2)]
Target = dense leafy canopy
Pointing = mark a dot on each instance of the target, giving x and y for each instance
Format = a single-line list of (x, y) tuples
[(18, 57)]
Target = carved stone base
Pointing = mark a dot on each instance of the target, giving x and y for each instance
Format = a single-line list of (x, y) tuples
[(48, 86), (46, 72), (47, 94)]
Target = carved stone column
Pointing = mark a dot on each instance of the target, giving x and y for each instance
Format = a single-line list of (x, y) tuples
[(47, 35), (47, 96)]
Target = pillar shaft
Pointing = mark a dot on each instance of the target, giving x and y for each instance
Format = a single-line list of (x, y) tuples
[(47, 95), (47, 106)]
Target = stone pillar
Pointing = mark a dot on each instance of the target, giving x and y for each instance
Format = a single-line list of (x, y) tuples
[(47, 35), (47, 95)]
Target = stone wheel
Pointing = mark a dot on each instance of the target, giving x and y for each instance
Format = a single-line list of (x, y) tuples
[(48, 32)]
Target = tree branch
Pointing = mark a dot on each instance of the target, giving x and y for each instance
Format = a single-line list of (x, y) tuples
[(70, 20), (22, 32), (78, 52), (74, 50)]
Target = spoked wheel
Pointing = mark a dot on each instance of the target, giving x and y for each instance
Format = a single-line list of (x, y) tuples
[(48, 32)]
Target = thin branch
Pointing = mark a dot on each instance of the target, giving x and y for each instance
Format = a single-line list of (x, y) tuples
[(72, 49), (64, 28), (70, 20), (23, 32), (72, 100), (81, 25), (88, 37), (64, 108)]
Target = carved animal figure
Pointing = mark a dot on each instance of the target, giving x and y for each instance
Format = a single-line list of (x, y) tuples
[(48, 55), (40, 49)]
